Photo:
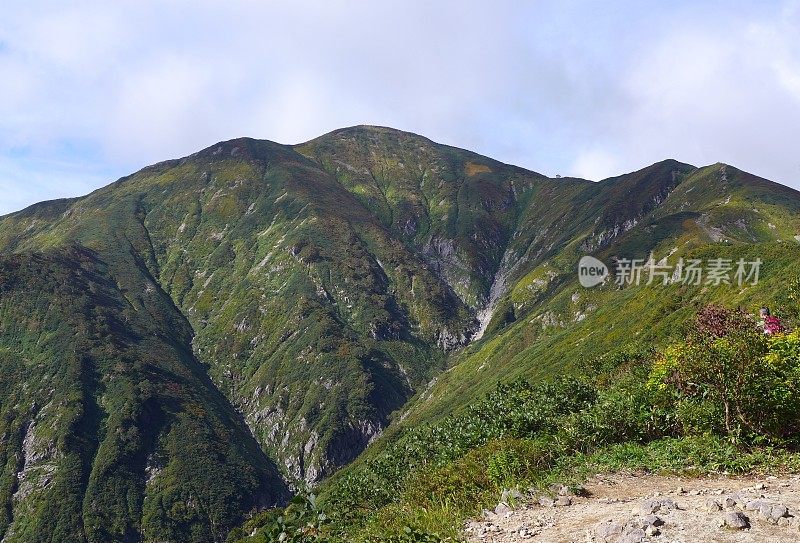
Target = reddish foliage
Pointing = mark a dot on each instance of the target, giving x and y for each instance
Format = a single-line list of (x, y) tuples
[(714, 321)]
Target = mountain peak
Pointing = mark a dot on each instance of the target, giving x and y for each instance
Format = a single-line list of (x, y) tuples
[(368, 135)]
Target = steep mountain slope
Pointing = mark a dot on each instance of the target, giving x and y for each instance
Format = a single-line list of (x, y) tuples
[(111, 429), (274, 305)]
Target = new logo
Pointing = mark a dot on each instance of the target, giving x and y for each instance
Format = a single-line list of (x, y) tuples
[(591, 271)]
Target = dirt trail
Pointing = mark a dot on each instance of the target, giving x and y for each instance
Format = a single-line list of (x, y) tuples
[(650, 508)]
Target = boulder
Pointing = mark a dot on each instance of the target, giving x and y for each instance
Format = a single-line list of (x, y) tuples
[(736, 521), (636, 535), (773, 511), (608, 531)]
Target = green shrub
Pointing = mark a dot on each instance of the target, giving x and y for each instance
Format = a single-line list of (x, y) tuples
[(409, 535), (518, 410), (698, 416), (505, 467)]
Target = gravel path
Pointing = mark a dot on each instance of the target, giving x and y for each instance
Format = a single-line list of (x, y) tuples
[(650, 508)]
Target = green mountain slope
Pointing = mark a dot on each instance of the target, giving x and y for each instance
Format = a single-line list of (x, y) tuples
[(546, 323), (256, 314)]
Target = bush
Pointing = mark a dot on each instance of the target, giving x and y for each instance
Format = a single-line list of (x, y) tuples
[(789, 309), (300, 522), (782, 391), (623, 412), (518, 410), (409, 535), (730, 371)]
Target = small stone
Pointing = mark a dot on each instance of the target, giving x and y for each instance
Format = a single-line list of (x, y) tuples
[(680, 490), (544, 501), (651, 531), (783, 521), (729, 503), (760, 486), (559, 489), (654, 506), (653, 520), (563, 501), (649, 506), (753, 505), (773, 511), (636, 535), (502, 509), (779, 511), (512, 495), (712, 506), (736, 520)]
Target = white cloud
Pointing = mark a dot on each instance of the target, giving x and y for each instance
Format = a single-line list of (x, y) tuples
[(595, 165), (559, 87), (705, 93), (23, 181)]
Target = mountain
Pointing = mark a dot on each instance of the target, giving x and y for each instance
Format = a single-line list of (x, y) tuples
[(189, 343)]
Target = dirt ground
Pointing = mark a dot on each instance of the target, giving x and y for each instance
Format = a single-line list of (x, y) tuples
[(649, 508)]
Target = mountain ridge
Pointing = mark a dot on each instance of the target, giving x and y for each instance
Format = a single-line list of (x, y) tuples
[(319, 290)]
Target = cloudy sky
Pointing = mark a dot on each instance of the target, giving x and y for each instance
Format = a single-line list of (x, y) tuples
[(93, 90)]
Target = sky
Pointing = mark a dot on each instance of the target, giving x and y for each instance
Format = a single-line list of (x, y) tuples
[(94, 90)]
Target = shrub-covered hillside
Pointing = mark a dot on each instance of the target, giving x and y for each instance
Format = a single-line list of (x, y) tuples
[(727, 398)]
